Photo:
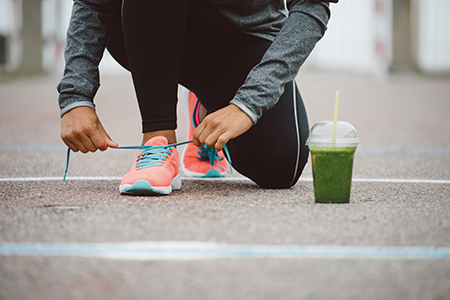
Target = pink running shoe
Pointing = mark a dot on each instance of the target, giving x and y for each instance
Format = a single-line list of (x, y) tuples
[(195, 161), (155, 170)]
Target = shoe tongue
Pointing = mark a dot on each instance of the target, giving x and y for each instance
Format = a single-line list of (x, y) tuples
[(157, 141)]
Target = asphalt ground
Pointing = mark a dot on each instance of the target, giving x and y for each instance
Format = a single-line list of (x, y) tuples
[(228, 239)]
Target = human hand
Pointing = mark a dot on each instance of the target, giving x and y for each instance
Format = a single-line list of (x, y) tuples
[(221, 126), (81, 130)]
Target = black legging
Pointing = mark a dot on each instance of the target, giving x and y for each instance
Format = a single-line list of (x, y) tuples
[(167, 46)]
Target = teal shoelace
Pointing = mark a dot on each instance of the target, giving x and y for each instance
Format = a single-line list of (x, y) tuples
[(156, 155), (207, 153)]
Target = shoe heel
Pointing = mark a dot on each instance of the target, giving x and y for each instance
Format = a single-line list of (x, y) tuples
[(176, 183)]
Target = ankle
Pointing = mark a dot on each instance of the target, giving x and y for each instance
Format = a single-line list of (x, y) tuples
[(169, 134)]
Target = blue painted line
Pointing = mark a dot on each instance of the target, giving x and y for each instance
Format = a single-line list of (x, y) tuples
[(198, 250), (32, 147)]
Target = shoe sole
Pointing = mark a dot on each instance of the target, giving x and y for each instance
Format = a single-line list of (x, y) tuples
[(144, 188), (211, 173)]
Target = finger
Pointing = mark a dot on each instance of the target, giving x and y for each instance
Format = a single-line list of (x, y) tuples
[(70, 145), (98, 142), (79, 146), (103, 142), (77, 139), (82, 147), (73, 142), (99, 139), (88, 144), (81, 141), (108, 140), (111, 143), (209, 136), (66, 139), (197, 143), (211, 139), (93, 138), (209, 125), (223, 140), (196, 135)]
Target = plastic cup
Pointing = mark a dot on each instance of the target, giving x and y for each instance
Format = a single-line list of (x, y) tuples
[(332, 155)]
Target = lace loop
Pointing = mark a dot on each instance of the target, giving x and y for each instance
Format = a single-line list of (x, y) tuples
[(207, 153)]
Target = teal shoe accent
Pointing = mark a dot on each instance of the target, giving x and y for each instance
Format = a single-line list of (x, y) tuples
[(212, 173), (142, 187)]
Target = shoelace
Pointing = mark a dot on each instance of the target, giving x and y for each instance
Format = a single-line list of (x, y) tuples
[(207, 153), (155, 156), (152, 155)]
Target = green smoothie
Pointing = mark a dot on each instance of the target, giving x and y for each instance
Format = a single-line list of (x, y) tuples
[(332, 174)]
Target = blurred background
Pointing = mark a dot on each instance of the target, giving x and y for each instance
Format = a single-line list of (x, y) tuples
[(370, 37)]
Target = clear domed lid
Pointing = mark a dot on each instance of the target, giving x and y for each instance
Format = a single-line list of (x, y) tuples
[(322, 135)]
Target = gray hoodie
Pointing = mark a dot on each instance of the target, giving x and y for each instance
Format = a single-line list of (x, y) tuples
[(294, 26)]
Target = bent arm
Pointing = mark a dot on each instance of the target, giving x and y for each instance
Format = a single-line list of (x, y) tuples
[(305, 26), (86, 42)]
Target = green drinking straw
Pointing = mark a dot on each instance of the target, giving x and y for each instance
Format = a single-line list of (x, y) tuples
[(336, 110)]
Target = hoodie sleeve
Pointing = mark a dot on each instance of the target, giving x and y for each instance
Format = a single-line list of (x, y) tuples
[(264, 85), (86, 42)]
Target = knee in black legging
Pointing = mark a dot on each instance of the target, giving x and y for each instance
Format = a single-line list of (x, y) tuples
[(280, 171), (273, 153)]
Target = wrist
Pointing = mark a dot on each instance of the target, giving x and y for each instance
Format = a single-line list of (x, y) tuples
[(253, 117), (74, 105)]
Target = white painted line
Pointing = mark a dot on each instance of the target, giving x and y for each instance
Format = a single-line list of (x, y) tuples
[(399, 180), (193, 250), (238, 178), (111, 178), (107, 178), (244, 179)]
